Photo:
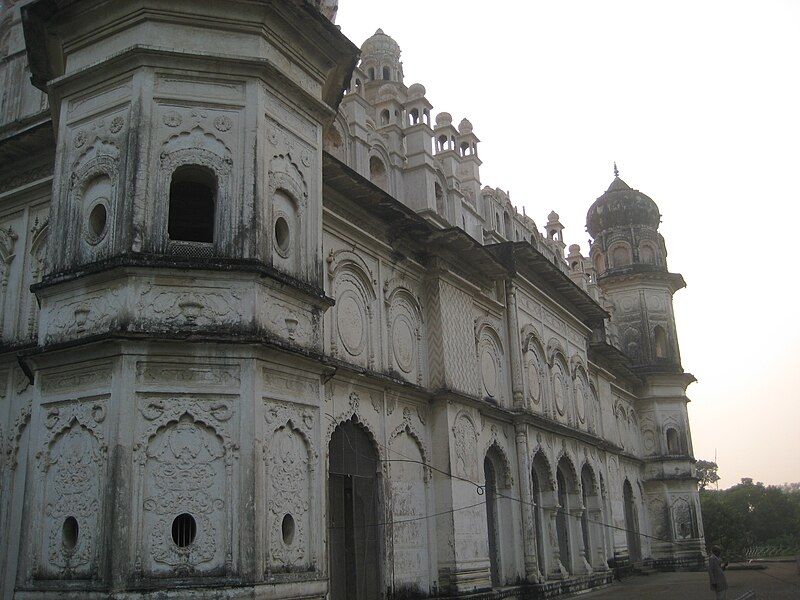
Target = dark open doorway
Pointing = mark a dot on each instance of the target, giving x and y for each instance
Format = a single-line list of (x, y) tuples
[(354, 515)]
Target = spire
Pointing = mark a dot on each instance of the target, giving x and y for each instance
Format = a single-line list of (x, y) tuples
[(616, 170)]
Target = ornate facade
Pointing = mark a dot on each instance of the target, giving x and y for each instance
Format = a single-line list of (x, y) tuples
[(266, 335)]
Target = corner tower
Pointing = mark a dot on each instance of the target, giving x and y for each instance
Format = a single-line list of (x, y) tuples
[(630, 260), (182, 285)]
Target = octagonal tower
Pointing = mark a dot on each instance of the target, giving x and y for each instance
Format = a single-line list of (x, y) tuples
[(630, 260)]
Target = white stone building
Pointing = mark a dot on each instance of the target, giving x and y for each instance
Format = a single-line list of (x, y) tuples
[(266, 335)]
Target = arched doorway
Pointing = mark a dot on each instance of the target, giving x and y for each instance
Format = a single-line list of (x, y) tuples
[(354, 515), (492, 524), (539, 484), (591, 517), (562, 520), (631, 522)]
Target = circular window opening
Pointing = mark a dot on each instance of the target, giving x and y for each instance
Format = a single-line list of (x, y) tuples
[(184, 530), (97, 220), (282, 235), (69, 533), (287, 529)]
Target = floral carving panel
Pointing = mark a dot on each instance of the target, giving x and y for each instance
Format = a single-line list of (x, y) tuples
[(73, 464), (289, 465), (409, 529), (185, 463)]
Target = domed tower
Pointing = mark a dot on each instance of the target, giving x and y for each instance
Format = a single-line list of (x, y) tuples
[(630, 260), (380, 58)]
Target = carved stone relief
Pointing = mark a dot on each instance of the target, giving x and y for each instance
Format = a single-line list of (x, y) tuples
[(191, 307), (80, 379), (82, 315), (581, 398), (682, 519), (290, 464), (560, 389), (185, 459), (353, 316), (405, 336), (490, 361), (73, 463), (192, 374), (465, 438), (408, 483)]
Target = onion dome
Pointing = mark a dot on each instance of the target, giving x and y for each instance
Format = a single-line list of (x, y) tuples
[(387, 92), (443, 119), (380, 44), (416, 90), (621, 206), (465, 127)]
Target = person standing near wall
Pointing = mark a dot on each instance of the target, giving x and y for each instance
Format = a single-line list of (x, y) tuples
[(716, 573)]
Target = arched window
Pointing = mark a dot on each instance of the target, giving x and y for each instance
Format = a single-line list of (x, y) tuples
[(413, 116), (464, 148), (192, 196), (386, 74), (673, 441), (440, 205), (661, 342), (647, 255), (371, 73), (385, 116), (599, 263), (377, 173), (507, 225), (621, 256)]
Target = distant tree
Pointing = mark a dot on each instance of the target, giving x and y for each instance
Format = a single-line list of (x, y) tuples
[(750, 514), (706, 473)]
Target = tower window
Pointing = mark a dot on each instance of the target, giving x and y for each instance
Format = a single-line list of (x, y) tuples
[(385, 115), (386, 73), (371, 73), (377, 173), (647, 255), (673, 442), (191, 205), (661, 343), (621, 256)]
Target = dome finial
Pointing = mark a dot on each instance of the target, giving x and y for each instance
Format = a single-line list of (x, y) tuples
[(616, 170)]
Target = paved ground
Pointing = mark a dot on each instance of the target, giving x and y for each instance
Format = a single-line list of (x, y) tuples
[(780, 581)]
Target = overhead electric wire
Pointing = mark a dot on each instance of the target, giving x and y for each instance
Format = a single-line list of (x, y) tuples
[(480, 490)]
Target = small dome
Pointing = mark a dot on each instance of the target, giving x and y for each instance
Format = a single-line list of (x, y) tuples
[(443, 119), (553, 217), (574, 249), (416, 90), (621, 206), (465, 127), (387, 92), (380, 44)]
